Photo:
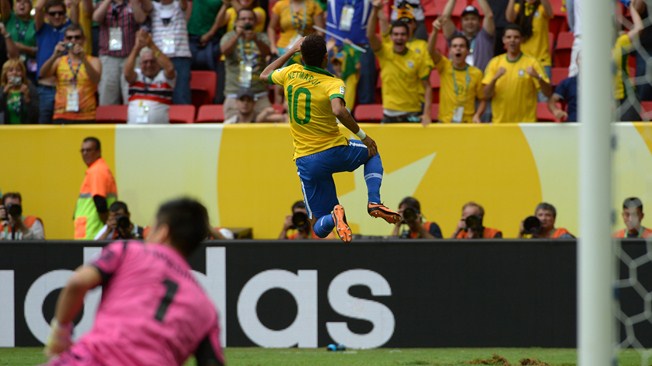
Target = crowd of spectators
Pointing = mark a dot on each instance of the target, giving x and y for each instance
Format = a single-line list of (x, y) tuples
[(67, 58)]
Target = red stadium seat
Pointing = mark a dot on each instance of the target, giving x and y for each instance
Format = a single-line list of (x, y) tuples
[(111, 113), (369, 112), (435, 83), (563, 50), (182, 113), (210, 113), (202, 87), (544, 114), (434, 112), (558, 75), (646, 113)]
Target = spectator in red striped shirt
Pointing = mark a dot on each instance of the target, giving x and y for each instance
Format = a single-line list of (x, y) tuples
[(151, 86), (119, 21)]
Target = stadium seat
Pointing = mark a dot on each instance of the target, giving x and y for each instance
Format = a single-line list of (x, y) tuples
[(202, 87), (646, 112), (563, 50), (544, 114), (210, 113), (558, 75), (434, 112), (435, 83), (182, 113), (369, 112), (111, 113)]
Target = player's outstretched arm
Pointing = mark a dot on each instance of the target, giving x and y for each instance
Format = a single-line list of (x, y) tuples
[(279, 62), (342, 114), (68, 306)]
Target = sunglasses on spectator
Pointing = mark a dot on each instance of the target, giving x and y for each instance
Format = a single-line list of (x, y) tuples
[(74, 37), (56, 13)]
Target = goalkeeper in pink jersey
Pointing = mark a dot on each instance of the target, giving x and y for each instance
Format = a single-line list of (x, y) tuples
[(153, 311)]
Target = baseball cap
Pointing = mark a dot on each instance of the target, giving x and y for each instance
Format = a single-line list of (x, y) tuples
[(470, 10), (245, 93)]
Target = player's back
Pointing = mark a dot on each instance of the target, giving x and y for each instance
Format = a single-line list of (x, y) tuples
[(309, 91), (153, 311)]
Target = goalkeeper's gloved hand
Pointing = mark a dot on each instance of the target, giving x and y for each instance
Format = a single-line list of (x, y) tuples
[(60, 338)]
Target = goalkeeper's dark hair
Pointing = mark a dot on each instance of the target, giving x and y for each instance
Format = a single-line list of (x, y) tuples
[(187, 221), (313, 50), (633, 202)]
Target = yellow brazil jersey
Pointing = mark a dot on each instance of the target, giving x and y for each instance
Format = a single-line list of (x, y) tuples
[(309, 91), (515, 95), (538, 45), (420, 47), (400, 75), (297, 22), (620, 53), (459, 89)]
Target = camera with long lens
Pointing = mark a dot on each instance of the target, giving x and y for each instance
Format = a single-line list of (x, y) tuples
[(474, 223), (14, 210), (531, 225), (122, 226), (300, 221), (410, 214)]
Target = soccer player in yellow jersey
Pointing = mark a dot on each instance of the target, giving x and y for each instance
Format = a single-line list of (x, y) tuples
[(315, 98), (401, 70), (512, 80), (461, 84)]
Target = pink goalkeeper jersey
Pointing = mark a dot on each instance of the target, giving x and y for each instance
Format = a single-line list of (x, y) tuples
[(153, 311)]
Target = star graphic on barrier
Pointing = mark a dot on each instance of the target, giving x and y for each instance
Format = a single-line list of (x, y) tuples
[(396, 185)]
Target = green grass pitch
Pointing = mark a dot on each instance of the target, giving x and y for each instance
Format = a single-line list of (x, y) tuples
[(374, 357)]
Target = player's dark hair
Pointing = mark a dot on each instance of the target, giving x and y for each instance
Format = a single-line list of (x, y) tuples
[(545, 206), (313, 50), (460, 36), (98, 146), (399, 24), (117, 206), (632, 202), (187, 221), (411, 202)]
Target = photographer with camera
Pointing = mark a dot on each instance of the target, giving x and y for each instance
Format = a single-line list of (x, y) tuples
[(19, 98), (119, 225), (15, 226), (297, 226), (245, 51), (413, 225), (471, 225), (77, 75), (542, 224)]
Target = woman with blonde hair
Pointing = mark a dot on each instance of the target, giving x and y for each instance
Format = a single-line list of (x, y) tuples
[(19, 100)]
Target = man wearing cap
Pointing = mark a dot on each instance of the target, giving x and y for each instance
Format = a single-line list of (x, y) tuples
[(632, 217), (150, 87), (480, 36), (244, 108), (245, 51)]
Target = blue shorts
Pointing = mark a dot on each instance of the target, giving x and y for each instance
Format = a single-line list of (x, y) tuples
[(316, 174)]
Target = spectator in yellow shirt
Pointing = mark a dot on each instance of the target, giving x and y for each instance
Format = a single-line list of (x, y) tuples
[(512, 80), (461, 84)]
